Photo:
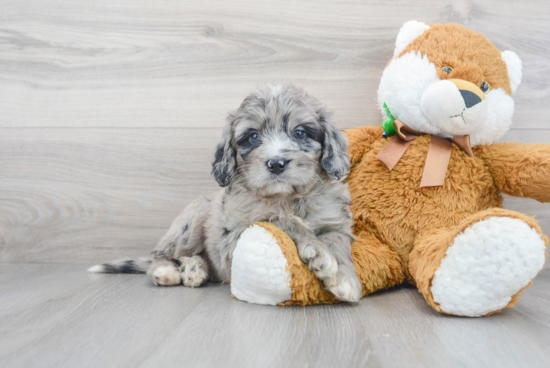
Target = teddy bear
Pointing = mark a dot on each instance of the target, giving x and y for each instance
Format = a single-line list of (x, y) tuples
[(426, 187)]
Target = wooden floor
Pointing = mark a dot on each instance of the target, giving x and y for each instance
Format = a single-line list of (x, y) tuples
[(60, 316)]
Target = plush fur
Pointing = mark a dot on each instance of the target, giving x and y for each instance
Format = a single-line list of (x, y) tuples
[(466, 254), (401, 227), (473, 280), (260, 249)]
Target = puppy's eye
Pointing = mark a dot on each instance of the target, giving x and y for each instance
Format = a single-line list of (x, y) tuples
[(484, 86), (447, 69), (254, 137), (299, 134)]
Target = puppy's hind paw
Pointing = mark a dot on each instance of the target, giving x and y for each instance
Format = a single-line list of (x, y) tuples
[(165, 275), (194, 271)]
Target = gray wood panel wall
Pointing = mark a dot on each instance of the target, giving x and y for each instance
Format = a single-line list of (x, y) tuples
[(110, 109)]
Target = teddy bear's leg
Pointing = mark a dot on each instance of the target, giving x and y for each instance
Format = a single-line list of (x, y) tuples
[(481, 265), (259, 271), (267, 269), (378, 267)]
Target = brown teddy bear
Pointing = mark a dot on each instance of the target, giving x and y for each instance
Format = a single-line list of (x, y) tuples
[(426, 186)]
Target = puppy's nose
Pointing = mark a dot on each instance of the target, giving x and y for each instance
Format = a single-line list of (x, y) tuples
[(277, 165)]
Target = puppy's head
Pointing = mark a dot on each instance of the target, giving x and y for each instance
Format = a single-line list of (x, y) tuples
[(280, 142)]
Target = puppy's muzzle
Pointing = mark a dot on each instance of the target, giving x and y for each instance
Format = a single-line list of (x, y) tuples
[(277, 165)]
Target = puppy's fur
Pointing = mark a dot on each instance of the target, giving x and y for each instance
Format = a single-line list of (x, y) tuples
[(280, 160)]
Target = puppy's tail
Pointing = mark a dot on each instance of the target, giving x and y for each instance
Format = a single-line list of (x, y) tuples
[(127, 265)]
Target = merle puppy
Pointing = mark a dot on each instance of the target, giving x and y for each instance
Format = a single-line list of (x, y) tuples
[(280, 160)]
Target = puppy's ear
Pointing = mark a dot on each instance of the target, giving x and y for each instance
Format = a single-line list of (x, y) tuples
[(335, 159), (224, 165)]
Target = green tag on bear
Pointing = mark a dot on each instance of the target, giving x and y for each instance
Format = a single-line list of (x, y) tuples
[(388, 126)]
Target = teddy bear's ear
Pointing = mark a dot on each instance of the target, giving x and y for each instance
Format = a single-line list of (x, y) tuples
[(408, 32), (514, 65)]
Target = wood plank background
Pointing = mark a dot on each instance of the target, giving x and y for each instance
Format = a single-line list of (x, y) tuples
[(109, 110)]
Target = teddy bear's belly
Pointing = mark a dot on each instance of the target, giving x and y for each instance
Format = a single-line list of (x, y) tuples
[(393, 207)]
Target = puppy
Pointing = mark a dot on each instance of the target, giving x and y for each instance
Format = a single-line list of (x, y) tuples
[(280, 160)]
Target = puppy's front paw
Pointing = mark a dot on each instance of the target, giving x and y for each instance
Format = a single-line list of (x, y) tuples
[(345, 287), (166, 274), (194, 271), (318, 259)]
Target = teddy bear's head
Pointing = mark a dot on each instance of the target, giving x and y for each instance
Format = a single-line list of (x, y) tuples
[(449, 81)]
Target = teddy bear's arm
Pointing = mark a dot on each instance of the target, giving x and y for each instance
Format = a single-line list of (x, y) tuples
[(521, 170), (361, 139)]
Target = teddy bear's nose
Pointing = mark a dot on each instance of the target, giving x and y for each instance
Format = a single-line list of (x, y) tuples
[(470, 98), (471, 94)]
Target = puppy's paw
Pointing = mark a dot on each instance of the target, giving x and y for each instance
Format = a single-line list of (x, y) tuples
[(319, 260), (345, 287), (194, 271), (166, 274)]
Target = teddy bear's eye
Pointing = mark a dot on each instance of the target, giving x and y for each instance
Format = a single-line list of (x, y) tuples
[(447, 69), (484, 86)]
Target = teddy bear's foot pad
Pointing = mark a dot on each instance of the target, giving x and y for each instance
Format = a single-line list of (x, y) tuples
[(486, 265), (259, 269)]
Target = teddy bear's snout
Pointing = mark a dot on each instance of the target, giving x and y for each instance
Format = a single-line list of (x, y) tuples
[(454, 105), (471, 94)]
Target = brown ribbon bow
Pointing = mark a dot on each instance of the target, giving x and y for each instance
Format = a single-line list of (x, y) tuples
[(437, 160)]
